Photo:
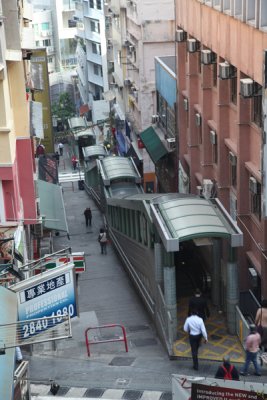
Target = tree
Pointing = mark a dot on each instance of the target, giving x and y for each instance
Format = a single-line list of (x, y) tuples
[(64, 108)]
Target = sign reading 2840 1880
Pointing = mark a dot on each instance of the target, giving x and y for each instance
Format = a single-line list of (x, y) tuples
[(52, 294)]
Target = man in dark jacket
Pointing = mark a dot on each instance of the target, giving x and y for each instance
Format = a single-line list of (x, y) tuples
[(199, 303), (227, 371), (88, 216)]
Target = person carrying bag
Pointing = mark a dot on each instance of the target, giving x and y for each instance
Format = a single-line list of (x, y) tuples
[(102, 239)]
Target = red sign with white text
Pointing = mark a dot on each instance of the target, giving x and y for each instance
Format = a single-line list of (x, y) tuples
[(205, 392)]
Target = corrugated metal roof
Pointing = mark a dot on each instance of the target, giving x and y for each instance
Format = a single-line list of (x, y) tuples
[(119, 167), (153, 144), (193, 217), (94, 151)]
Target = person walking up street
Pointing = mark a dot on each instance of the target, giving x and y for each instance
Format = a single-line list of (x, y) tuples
[(88, 216), (261, 323), (102, 238), (199, 303), (60, 148), (227, 371), (252, 347), (195, 327)]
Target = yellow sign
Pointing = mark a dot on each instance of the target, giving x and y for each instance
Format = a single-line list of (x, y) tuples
[(42, 94)]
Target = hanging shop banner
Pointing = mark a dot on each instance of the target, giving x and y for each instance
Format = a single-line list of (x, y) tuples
[(50, 294)]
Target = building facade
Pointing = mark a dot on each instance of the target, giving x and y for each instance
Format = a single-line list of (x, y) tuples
[(92, 69), (18, 208), (220, 48)]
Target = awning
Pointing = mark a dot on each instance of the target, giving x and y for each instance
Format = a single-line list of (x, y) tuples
[(52, 206), (153, 144), (191, 217)]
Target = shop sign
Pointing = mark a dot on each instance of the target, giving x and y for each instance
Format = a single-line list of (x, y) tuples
[(78, 259), (50, 294)]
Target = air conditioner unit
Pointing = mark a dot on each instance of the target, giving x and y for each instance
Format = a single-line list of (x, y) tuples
[(155, 119), (213, 137), (224, 70), (131, 48), (207, 57), (171, 143), (232, 158), (127, 82), (198, 119), (180, 35), (253, 185), (186, 104), (191, 45), (135, 94), (246, 87), (207, 188)]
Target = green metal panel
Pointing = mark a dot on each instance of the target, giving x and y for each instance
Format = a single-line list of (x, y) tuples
[(52, 206), (153, 144)]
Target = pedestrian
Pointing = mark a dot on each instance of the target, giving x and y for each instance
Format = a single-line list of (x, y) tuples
[(57, 157), (74, 162), (40, 150), (102, 238), (252, 344), (199, 303), (227, 371), (195, 327), (261, 323), (88, 216), (60, 147)]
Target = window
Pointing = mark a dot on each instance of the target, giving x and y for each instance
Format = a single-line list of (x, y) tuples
[(98, 4), (97, 70), (45, 26), (257, 105), (233, 175), (214, 142), (255, 197), (95, 26), (91, 3), (47, 42), (214, 75), (37, 43), (96, 48), (233, 85)]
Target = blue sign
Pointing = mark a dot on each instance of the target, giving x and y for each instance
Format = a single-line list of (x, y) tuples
[(51, 294)]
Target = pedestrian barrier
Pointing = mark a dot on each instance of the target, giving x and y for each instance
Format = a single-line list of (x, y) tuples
[(119, 339)]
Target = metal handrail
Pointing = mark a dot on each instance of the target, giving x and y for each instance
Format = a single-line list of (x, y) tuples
[(120, 339)]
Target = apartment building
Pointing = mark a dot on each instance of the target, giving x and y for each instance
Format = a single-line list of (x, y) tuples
[(18, 209), (221, 104), (44, 37), (92, 70)]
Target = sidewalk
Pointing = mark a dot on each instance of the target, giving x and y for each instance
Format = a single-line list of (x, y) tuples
[(106, 296)]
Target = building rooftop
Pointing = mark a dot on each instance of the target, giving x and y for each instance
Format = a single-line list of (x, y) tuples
[(170, 62)]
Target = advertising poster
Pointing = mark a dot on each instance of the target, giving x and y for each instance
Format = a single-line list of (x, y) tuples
[(51, 294), (205, 392)]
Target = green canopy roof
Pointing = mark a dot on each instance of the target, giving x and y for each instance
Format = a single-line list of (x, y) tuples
[(52, 206), (153, 144)]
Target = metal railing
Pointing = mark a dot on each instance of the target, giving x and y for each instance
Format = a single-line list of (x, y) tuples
[(122, 338)]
